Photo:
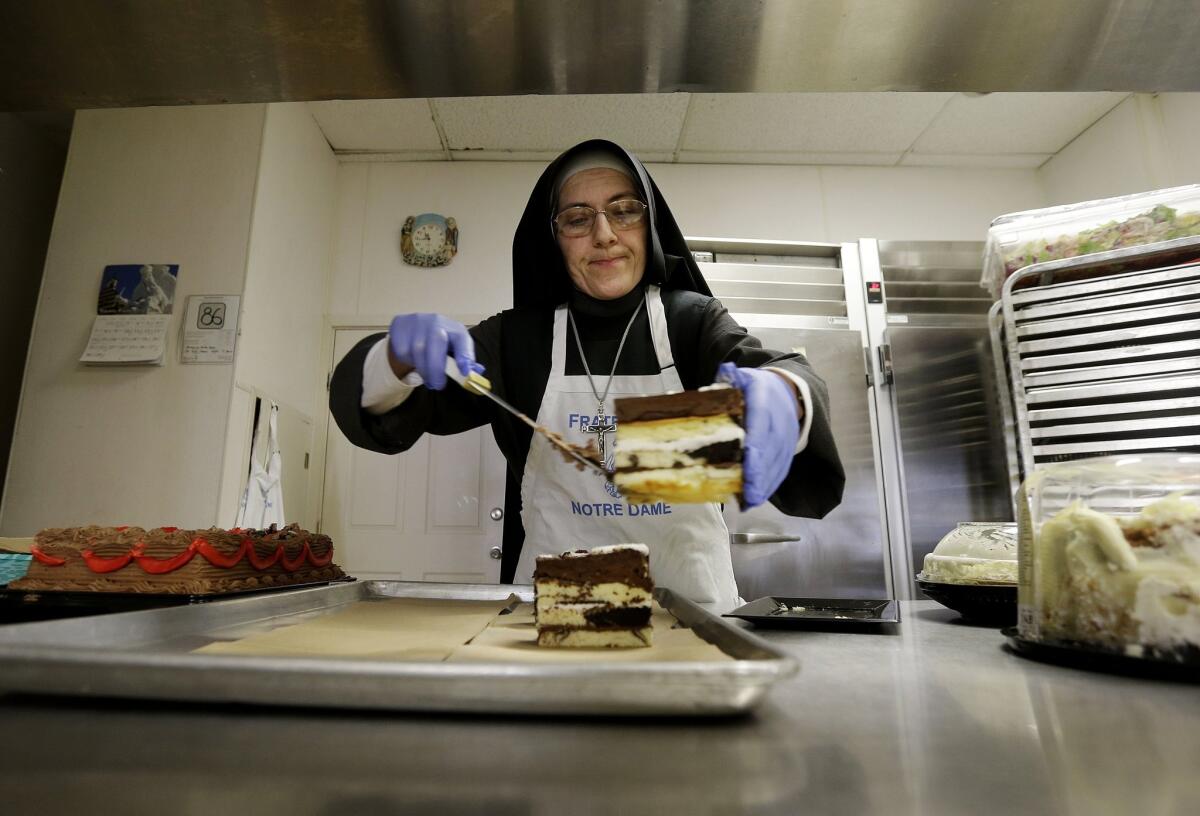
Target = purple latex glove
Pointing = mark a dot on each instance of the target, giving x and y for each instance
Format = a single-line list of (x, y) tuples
[(424, 340), (772, 429)]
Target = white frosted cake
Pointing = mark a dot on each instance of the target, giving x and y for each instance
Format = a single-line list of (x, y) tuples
[(1129, 583), (974, 553), (598, 598)]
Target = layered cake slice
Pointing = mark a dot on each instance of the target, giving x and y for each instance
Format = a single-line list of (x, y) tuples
[(684, 447), (597, 598)]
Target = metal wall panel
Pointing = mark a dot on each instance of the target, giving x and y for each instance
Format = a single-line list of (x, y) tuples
[(802, 297), (71, 54), (951, 442), (843, 554), (939, 395)]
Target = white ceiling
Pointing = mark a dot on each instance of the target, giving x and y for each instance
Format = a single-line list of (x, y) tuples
[(920, 129)]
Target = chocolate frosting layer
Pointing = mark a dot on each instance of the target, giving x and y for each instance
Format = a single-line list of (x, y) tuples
[(617, 566), (620, 617), (197, 577), (713, 402)]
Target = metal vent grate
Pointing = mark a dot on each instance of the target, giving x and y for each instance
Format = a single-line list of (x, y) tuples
[(774, 281), (1105, 365), (933, 278)]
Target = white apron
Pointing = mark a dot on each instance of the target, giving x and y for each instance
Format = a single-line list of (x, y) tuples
[(262, 500), (565, 508)]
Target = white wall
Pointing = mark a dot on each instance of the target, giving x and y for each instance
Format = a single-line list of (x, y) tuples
[(486, 199), (133, 445), (287, 272), (746, 201), (1145, 143), (1181, 126), (287, 268)]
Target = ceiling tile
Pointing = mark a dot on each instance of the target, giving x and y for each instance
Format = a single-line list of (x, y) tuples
[(809, 122), (1014, 122), (537, 155), (377, 124), (393, 156), (743, 157), (995, 160), (640, 122)]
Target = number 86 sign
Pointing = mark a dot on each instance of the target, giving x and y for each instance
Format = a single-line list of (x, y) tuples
[(211, 316), (210, 329)]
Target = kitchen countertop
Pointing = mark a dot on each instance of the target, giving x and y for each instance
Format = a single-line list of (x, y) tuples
[(935, 718)]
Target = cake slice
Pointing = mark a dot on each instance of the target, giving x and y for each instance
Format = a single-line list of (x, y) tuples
[(684, 447), (597, 598), (1122, 583)]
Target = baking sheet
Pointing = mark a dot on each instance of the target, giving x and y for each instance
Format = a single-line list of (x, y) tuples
[(441, 629), (183, 653)]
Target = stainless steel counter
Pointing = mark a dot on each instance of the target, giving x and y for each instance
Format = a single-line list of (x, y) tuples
[(935, 719)]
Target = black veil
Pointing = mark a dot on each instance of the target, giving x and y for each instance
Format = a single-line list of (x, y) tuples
[(539, 275)]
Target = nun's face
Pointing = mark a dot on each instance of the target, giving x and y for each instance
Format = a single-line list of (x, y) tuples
[(606, 263)]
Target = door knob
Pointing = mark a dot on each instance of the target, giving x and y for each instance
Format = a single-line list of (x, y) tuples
[(496, 515), (496, 552)]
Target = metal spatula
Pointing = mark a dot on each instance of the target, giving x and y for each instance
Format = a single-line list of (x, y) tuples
[(481, 386)]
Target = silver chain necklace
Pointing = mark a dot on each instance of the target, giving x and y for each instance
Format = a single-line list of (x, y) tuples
[(601, 426)]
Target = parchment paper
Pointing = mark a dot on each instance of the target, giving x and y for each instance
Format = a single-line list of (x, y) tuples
[(390, 629), (447, 630)]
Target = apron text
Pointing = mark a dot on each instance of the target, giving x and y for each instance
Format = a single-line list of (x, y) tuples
[(601, 509)]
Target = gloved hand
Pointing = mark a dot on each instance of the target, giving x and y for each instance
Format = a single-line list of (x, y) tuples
[(422, 341), (772, 429)]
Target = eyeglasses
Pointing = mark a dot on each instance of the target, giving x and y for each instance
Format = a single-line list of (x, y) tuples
[(575, 222)]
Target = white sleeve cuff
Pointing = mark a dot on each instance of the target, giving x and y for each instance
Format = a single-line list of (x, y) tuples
[(382, 389), (805, 400)]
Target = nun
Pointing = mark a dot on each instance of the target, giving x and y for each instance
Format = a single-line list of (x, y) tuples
[(607, 302)]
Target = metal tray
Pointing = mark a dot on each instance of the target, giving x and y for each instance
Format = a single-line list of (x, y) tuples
[(778, 612), (25, 605), (148, 655)]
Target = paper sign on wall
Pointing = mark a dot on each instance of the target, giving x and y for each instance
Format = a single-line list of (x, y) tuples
[(133, 311), (210, 328), (127, 339)]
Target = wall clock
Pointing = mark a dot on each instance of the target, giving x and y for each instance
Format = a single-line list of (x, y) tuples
[(428, 239)]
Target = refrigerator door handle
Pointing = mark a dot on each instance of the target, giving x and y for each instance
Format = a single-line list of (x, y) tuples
[(885, 363), (763, 538)]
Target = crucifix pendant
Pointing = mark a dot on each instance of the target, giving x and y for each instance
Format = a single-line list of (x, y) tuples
[(600, 427)]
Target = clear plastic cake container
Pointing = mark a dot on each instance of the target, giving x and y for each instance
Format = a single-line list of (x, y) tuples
[(1117, 486), (1019, 239)]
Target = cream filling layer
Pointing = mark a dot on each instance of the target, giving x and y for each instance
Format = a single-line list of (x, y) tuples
[(630, 438), (689, 478), (617, 594), (572, 614)]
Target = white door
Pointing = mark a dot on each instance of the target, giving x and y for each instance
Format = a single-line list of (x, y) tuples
[(433, 513)]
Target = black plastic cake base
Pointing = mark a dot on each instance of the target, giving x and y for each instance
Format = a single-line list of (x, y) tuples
[(1178, 665), (986, 604)]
